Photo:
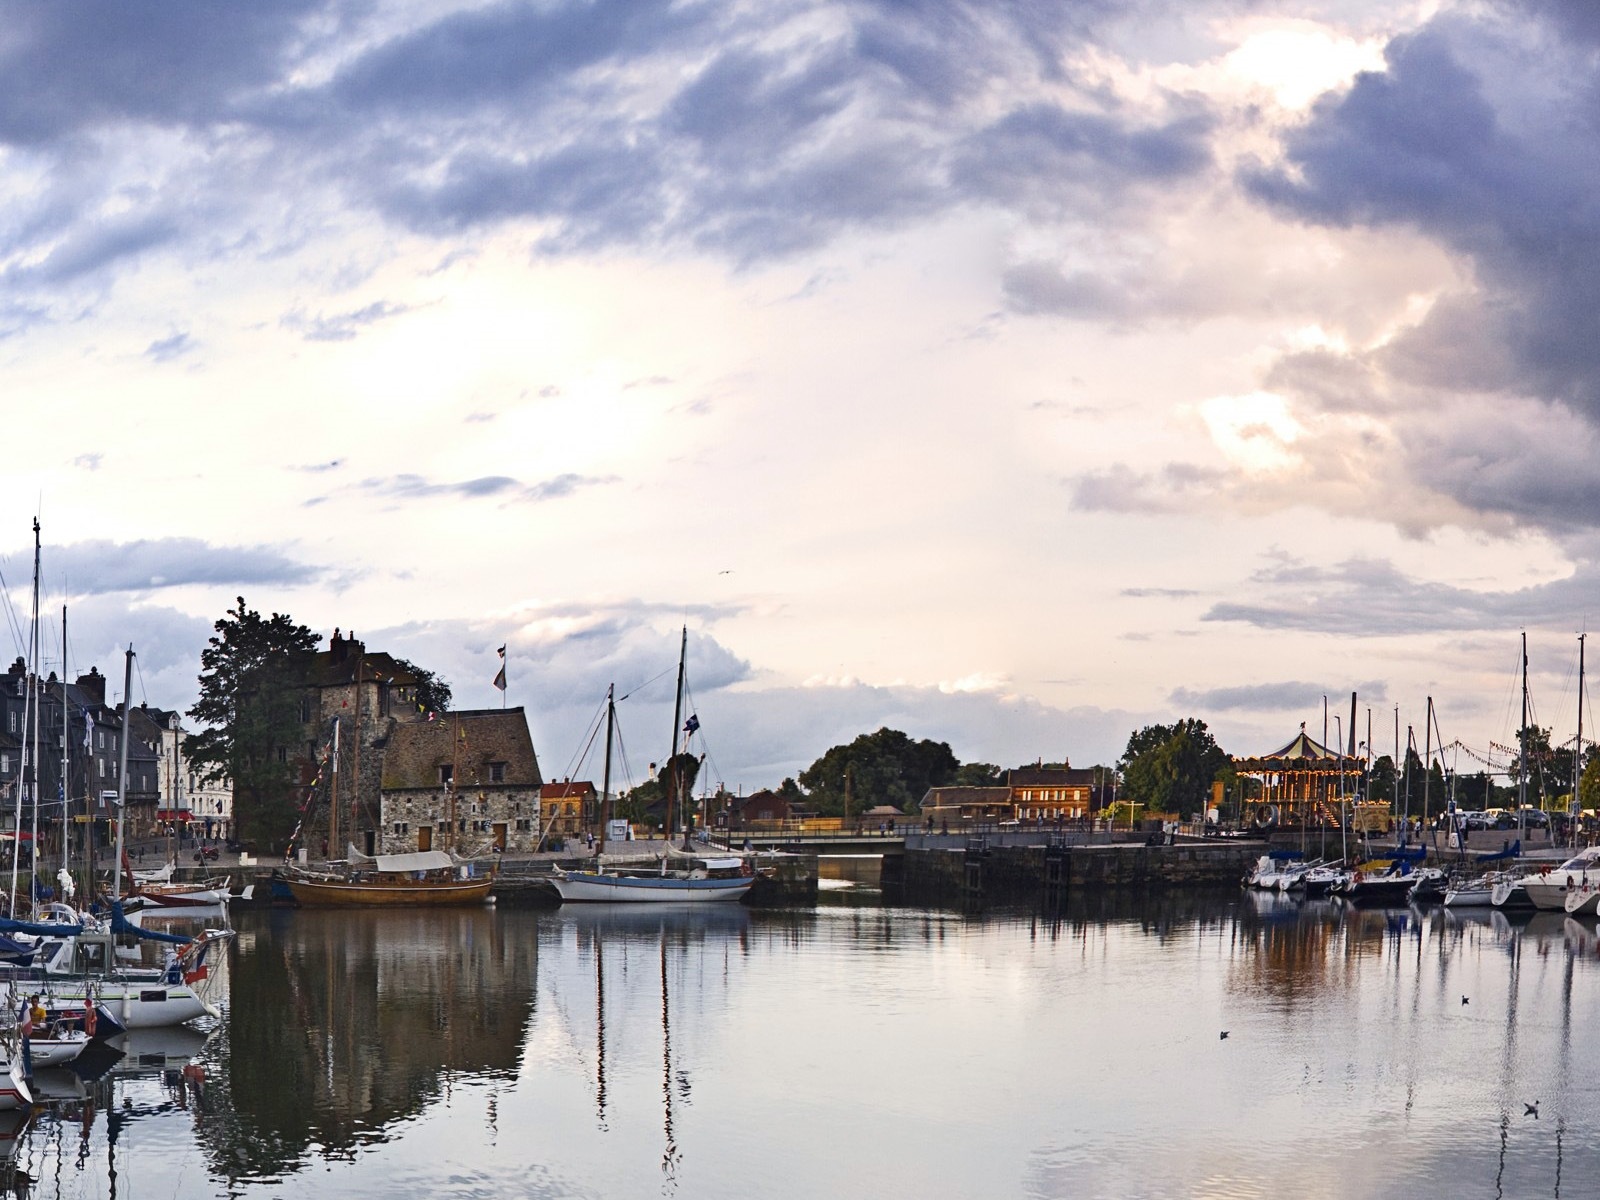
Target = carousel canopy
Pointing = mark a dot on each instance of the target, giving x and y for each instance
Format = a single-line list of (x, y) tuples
[(1302, 753)]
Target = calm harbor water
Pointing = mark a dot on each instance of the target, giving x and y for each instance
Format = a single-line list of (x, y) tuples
[(856, 1050)]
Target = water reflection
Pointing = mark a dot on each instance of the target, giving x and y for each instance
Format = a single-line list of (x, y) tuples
[(1371, 1053)]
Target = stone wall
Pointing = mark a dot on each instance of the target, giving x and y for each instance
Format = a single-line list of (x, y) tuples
[(1022, 874), (477, 813)]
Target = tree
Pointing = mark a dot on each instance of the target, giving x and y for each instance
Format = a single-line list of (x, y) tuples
[(1171, 768), (433, 691), (647, 802), (1589, 785), (885, 767), (252, 675), (978, 774)]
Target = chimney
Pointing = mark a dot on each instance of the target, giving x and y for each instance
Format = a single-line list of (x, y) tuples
[(336, 646), (93, 685)]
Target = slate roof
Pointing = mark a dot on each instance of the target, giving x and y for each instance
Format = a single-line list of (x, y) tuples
[(417, 749)]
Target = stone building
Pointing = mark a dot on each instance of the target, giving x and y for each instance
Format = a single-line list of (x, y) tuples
[(367, 695), (468, 782)]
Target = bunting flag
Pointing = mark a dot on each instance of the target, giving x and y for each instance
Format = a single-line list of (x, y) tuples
[(500, 677)]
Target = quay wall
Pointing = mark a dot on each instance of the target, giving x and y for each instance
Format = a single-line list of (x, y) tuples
[(1030, 873)]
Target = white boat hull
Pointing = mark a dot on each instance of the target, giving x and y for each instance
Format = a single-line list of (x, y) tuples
[(590, 887), (139, 1005)]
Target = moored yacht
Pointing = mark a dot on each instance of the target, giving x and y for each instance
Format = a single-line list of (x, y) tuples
[(1548, 889)]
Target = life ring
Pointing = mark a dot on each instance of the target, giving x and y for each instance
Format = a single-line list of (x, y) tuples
[(1266, 816)]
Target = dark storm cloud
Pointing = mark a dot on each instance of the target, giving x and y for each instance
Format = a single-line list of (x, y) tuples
[(87, 64), (97, 567), (1475, 135), (749, 133)]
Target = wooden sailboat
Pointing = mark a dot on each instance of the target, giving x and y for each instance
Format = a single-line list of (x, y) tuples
[(425, 878), (699, 879)]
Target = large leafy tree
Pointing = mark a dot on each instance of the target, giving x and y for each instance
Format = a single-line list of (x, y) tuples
[(252, 676), (886, 767), (433, 691), (1171, 767)]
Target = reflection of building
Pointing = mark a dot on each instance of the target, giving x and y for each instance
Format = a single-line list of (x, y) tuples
[(353, 1025), (468, 781)]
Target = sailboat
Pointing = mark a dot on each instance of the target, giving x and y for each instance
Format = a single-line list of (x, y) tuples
[(695, 879)]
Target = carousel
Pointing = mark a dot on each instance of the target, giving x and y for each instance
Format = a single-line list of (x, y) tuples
[(1301, 785)]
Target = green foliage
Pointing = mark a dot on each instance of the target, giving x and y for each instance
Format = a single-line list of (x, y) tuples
[(1589, 785), (433, 691), (885, 767), (1381, 780), (1171, 768), (252, 674), (978, 774), (647, 803)]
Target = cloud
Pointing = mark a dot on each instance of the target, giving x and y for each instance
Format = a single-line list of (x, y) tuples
[(342, 327), (167, 349), (98, 567), (1466, 138), (1287, 696), (1120, 489), (418, 487), (1366, 597)]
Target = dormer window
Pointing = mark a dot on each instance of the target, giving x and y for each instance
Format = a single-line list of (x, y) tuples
[(446, 773)]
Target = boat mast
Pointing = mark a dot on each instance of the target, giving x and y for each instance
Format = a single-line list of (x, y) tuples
[(333, 793), (1522, 744), (33, 849), (1427, 761), (66, 746), (29, 706), (1576, 807), (122, 776), (605, 779), (355, 782), (672, 755)]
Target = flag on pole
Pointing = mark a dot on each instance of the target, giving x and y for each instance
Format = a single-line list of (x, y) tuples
[(692, 724), (500, 676)]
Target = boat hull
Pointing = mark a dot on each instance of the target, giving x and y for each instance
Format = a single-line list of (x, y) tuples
[(589, 887), (317, 893), (137, 1004)]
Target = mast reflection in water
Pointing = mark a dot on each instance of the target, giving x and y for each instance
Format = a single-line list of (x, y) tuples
[(857, 1050)]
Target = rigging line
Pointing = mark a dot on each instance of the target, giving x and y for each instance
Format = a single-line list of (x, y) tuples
[(11, 612), (575, 764), (641, 686)]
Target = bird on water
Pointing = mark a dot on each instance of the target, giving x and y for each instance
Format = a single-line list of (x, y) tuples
[(1223, 1036), (1531, 1110)]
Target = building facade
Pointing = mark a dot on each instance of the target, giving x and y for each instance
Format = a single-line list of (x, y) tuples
[(466, 782)]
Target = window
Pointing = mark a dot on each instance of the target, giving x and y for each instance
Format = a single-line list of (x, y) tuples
[(305, 709), (283, 754), (5, 764), (383, 701), (13, 720), (446, 773), (497, 772)]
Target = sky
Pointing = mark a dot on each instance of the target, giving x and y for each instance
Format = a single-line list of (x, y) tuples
[(1012, 374)]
